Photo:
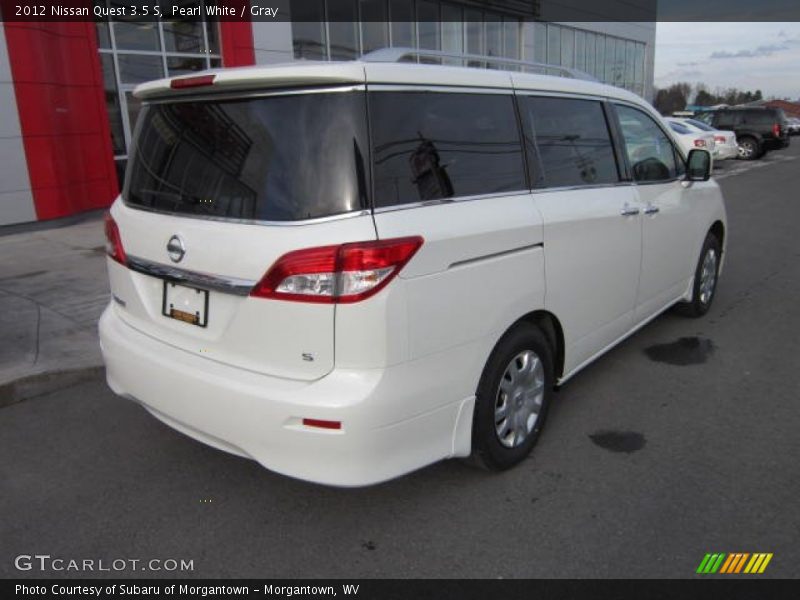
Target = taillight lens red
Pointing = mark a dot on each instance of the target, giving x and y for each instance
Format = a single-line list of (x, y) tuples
[(776, 129), (719, 138), (189, 82), (113, 240), (700, 143), (344, 273)]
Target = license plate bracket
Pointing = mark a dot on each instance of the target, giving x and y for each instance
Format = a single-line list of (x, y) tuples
[(185, 303)]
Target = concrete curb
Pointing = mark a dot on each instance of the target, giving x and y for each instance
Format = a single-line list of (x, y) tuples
[(44, 383)]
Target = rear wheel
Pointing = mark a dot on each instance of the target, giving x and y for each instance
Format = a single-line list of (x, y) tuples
[(749, 148), (512, 398), (705, 279)]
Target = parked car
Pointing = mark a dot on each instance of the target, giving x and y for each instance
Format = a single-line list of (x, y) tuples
[(725, 145), (758, 130), (793, 125), (692, 138), (347, 294)]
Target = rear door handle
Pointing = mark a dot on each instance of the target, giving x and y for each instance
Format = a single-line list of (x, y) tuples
[(629, 211), (651, 210)]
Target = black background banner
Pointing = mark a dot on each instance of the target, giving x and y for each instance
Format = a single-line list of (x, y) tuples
[(287, 10), (706, 587)]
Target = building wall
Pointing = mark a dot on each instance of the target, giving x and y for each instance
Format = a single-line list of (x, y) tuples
[(16, 198), (59, 105)]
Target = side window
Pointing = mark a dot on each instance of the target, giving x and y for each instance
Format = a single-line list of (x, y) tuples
[(431, 145), (572, 141), (726, 118), (650, 151)]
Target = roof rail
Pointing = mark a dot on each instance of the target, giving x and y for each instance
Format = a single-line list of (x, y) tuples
[(469, 60)]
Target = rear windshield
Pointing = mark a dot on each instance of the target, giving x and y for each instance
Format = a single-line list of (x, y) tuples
[(280, 158)]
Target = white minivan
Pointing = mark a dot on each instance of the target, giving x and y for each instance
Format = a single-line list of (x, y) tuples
[(347, 271)]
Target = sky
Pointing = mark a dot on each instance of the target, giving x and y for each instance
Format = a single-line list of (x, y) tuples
[(748, 56)]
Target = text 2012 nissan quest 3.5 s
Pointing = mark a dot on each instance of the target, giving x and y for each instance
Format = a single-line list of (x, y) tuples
[(347, 271)]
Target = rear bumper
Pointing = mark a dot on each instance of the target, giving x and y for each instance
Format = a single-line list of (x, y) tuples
[(725, 152), (260, 416)]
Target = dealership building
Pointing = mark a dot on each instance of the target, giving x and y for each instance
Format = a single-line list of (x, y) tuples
[(67, 109)]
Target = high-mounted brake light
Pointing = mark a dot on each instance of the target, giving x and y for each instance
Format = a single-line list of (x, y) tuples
[(337, 274), (700, 143), (189, 82), (113, 241)]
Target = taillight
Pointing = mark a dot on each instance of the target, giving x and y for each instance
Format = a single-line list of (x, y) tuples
[(700, 143), (113, 240), (776, 129), (190, 82), (336, 274), (719, 138)]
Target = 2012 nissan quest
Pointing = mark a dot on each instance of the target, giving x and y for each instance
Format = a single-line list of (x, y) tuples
[(347, 271)]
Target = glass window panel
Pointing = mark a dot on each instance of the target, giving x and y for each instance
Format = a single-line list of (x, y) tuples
[(573, 142), (580, 50), (401, 13), (600, 56), (374, 35), (638, 73), (308, 31), (181, 65), (428, 25), (540, 42), (568, 47), (630, 63), (452, 32), (527, 41), (494, 37), (374, 28), (649, 151), (112, 104), (136, 36), (619, 64), (433, 145), (137, 68), (212, 33), (134, 106), (216, 63), (103, 36), (511, 38), (610, 58), (183, 36), (554, 44), (252, 158), (343, 29), (475, 35)]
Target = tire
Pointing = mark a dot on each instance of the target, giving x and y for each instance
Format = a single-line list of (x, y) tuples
[(519, 375), (749, 148), (704, 289)]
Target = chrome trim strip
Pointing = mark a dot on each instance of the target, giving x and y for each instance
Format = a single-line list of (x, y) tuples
[(453, 200), (247, 93), (475, 259), (348, 215), (428, 87), (555, 94), (206, 281), (572, 188)]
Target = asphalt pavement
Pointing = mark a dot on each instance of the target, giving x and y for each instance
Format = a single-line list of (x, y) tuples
[(681, 441)]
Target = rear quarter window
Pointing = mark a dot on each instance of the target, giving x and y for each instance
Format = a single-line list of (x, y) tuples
[(434, 145)]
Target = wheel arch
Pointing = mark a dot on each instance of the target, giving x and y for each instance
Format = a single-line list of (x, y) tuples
[(553, 331)]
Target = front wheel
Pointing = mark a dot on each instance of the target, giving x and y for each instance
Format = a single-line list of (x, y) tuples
[(705, 279), (512, 398)]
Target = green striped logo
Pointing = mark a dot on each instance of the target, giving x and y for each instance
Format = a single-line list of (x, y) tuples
[(734, 563)]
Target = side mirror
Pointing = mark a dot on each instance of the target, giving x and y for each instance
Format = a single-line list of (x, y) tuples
[(698, 165)]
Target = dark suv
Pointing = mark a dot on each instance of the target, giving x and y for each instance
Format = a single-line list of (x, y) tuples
[(757, 129)]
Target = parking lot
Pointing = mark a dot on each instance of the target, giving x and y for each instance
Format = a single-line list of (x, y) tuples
[(681, 441)]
